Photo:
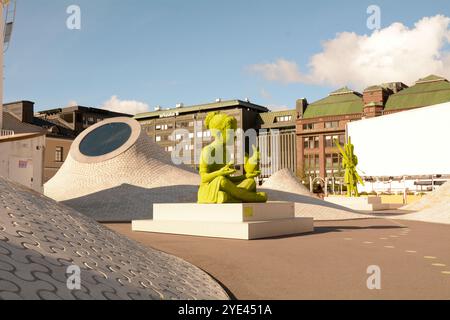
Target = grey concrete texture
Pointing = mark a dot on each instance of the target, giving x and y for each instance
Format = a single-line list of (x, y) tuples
[(40, 239)]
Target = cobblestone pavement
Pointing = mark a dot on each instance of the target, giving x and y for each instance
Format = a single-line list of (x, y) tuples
[(40, 239)]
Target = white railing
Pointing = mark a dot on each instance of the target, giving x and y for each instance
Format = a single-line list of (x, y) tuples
[(6, 133)]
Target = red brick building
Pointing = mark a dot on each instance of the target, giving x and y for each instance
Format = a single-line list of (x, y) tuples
[(319, 123)]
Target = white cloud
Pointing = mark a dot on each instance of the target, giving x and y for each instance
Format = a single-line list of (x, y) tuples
[(281, 70), (265, 94), (125, 106), (395, 53)]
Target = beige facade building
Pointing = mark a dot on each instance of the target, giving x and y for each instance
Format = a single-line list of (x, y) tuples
[(277, 142), (22, 151), (161, 124)]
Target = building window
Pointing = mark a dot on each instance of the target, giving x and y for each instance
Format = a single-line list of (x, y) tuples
[(311, 164), (180, 125), (59, 154), (331, 124), (309, 126), (158, 139), (329, 140), (311, 142), (283, 119), (333, 164), (159, 127)]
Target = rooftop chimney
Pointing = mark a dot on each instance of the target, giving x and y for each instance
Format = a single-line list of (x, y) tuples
[(301, 106)]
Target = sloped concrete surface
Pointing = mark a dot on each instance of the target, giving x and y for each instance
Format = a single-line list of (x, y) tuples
[(40, 238), (434, 207)]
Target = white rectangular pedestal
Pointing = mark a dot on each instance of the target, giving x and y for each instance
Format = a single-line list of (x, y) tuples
[(359, 204), (229, 212), (234, 221)]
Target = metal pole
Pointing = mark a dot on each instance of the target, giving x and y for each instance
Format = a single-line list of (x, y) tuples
[(2, 25)]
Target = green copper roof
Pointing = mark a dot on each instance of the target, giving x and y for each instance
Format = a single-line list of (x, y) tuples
[(343, 90), (426, 92), (431, 78), (340, 102), (202, 108)]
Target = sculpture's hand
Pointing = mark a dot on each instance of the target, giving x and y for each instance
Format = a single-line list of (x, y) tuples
[(252, 175), (252, 164), (227, 170)]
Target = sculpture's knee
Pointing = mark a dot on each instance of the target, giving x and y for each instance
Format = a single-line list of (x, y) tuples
[(250, 184), (223, 182)]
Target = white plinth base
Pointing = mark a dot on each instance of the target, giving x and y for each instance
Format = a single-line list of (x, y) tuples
[(359, 204), (234, 221)]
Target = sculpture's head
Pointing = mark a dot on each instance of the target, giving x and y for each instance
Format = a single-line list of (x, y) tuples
[(221, 125)]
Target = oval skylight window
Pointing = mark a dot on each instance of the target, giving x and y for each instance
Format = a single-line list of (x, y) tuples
[(105, 139)]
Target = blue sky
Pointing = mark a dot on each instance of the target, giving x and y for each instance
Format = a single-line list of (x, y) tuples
[(162, 52)]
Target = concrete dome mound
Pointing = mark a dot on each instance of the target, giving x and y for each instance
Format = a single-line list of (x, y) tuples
[(114, 172), (285, 186), (434, 207), (40, 239), (285, 180), (439, 196)]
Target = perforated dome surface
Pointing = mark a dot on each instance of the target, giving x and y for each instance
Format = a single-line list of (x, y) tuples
[(40, 239)]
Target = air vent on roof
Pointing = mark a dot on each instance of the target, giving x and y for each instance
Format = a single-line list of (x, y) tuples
[(247, 100), (158, 108), (180, 105), (218, 100)]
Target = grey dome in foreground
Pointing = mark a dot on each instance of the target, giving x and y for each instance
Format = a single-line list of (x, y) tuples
[(40, 238)]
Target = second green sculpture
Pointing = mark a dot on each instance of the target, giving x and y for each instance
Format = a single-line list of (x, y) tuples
[(349, 163), (218, 185)]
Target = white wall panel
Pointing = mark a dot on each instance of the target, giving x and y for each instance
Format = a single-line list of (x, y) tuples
[(414, 142)]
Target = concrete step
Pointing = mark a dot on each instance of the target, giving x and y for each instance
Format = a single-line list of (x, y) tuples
[(230, 230), (359, 204)]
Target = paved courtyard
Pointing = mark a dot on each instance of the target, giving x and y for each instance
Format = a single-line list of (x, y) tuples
[(331, 263)]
